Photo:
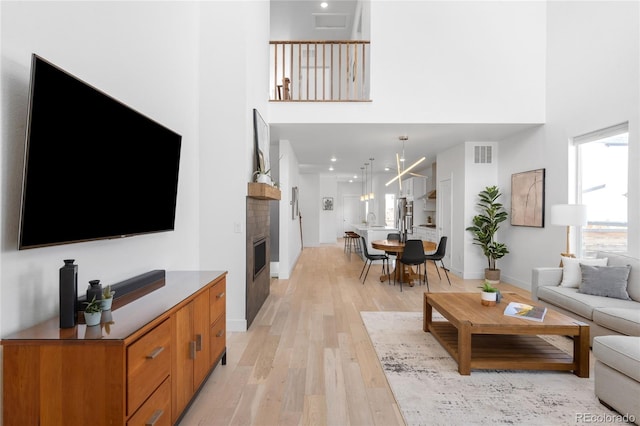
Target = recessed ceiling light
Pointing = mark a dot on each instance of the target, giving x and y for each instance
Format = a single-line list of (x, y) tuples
[(350, 180), (355, 176), (331, 168), (386, 169), (324, 4), (333, 158)]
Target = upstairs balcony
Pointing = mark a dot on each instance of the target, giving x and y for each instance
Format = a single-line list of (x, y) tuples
[(319, 71)]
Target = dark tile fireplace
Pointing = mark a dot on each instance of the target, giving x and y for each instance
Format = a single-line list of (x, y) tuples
[(258, 256)]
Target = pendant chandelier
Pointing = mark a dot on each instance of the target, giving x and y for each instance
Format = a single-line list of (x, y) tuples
[(400, 164), (364, 184), (371, 193)]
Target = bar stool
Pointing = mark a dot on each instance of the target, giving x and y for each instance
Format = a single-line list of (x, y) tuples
[(352, 242)]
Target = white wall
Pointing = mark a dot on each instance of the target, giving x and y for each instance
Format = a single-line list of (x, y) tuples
[(477, 178), (445, 62), (290, 244), (150, 65), (451, 165), (312, 221), (328, 222), (593, 69), (228, 94)]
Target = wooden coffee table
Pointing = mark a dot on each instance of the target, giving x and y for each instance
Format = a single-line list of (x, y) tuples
[(482, 337)]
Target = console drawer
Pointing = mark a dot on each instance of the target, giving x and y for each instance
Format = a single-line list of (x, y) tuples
[(218, 338), (148, 364), (157, 410), (217, 301)]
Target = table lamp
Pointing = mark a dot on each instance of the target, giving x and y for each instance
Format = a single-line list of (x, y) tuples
[(569, 215)]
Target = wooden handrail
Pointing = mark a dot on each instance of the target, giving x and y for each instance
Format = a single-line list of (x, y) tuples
[(303, 74)]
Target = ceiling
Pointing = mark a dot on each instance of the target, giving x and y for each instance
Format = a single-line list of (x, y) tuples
[(354, 144)]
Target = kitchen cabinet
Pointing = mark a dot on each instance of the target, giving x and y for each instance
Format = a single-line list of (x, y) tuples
[(426, 233), (127, 370), (414, 187)]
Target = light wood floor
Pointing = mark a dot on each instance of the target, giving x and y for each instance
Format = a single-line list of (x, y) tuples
[(307, 358)]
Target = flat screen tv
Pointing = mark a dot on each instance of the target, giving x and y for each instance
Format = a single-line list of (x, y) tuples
[(94, 168)]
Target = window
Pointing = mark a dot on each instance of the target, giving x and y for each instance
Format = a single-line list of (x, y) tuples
[(602, 185), (390, 209)]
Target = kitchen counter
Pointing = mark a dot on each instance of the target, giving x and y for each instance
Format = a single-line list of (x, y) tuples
[(373, 233), (363, 227)]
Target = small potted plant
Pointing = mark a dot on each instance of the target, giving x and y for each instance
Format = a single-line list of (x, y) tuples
[(262, 176), (489, 294), (107, 298), (92, 312)]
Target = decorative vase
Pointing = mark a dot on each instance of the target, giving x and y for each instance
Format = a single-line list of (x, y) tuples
[(94, 290), (92, 318), (492, 275), (488, 299), (68, 294)]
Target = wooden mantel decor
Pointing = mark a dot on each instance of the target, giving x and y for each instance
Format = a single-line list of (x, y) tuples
[(263, 191)]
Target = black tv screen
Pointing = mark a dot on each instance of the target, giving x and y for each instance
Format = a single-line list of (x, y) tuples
[(94, 168)]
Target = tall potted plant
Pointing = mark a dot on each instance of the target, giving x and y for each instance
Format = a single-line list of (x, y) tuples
[(485, 226)]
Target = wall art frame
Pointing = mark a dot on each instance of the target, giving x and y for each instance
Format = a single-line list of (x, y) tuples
[(528, 198), (261, 143), (294, 202), (327, 203)]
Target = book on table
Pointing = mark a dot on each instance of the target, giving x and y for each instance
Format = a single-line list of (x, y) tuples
[(522, 310)]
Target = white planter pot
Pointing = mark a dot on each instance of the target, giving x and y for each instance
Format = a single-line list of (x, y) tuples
[(105, 304), (488, 299), (92, 318), (264, 179)]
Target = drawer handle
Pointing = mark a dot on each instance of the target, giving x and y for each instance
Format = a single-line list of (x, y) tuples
[(220, 333), (155, 352), (220, 296), (192, 349), (198, 342), (154, 418)]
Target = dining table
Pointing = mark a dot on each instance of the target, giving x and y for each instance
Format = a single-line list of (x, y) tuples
[(402, 272)]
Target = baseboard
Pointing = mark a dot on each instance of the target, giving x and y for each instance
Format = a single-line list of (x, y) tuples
[(237, 325), (274, 268)]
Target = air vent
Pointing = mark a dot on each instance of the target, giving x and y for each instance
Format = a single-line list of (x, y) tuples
[(330, 21), (482, 154)]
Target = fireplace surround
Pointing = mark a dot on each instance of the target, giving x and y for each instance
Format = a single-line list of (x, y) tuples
[(258, 256)]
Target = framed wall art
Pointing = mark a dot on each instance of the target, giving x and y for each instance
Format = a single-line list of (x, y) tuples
[(527, 198), (294, 202), (327, 203), (261, 143)]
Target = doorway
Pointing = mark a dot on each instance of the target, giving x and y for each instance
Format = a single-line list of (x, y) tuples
[(350, 212), (444, 219)]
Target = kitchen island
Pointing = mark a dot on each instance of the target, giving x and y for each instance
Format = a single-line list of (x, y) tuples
[(373, 232)]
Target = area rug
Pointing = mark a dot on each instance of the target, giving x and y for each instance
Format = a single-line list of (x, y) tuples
[(430, 391)]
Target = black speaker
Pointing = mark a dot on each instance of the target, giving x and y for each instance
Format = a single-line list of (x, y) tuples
[(68, 294)]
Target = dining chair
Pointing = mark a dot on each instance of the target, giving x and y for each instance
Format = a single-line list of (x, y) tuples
[(438, 255), (369, 258), (413, 254), (394, 236)]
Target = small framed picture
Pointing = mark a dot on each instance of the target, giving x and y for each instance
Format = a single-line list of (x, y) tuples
[(327, 203)]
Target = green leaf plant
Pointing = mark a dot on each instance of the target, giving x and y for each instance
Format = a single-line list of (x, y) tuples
[(487, 223)]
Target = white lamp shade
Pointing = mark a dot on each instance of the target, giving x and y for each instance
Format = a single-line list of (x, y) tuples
[(569, 214)]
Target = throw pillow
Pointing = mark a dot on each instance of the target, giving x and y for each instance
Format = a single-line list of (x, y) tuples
[(571, 276), (607, 281)]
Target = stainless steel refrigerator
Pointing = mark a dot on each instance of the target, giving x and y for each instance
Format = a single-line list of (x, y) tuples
[(404, 217)]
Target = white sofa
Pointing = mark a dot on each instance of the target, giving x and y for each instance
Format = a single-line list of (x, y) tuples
[(605, 315), (617, 374)]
